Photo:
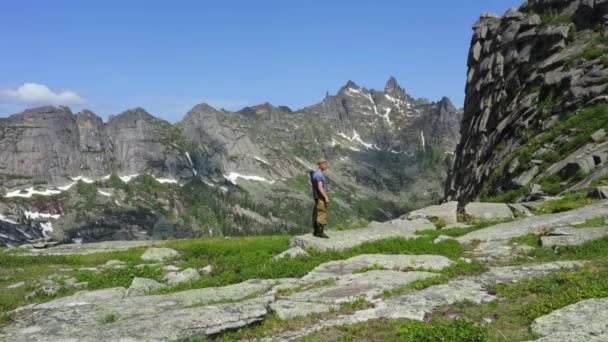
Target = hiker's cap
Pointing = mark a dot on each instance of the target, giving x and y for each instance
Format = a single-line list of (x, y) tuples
[(321, 161)]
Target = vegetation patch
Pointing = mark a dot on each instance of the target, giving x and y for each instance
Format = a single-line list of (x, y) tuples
[(460, 330), (568, 201), (109, 318), (273, 325)]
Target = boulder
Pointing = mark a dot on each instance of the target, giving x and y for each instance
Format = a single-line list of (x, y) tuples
[(115, 264), (442, 238), (599, 135), (582, 321), (155, 254), (170, 268), (72, 283), (516, 207), (16, 285), (446, 211), (205, 271), (573, 236), (292, 253), (488, 211), (185, 276), (141, 286)]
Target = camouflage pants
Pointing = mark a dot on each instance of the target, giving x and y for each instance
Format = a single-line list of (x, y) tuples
[(319, 213)]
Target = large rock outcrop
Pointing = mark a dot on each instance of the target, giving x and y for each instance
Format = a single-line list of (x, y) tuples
[(53, 144), (536, 81)]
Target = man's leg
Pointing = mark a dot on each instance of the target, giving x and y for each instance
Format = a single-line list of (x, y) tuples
[(315, 226), (321, 219)]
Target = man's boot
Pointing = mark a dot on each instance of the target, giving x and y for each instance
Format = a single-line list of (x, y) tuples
[(319, 233)]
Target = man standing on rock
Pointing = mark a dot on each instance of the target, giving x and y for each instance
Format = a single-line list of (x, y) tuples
[(319, 192)]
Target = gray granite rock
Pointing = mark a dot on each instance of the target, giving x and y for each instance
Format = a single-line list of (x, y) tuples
[(573, 236), (446, 211), (400, 262), (529, 225), (90, 248), (287, 309), (16, 285), (488, 211), (516, 207), (586, 320), (185, 276), (169, 317), (114, 264), (340, 240), (292, 253), (442, 238), (206, 271), (155, 254), (141, 286), (418, 304), (351, 287)]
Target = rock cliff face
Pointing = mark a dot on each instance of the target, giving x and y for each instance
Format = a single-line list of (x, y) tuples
[(535, 95), (52, 144)]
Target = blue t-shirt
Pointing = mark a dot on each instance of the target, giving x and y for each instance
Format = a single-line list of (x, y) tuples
[(317, 177)]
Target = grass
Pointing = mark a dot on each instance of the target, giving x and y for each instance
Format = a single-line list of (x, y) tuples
[(569, 201), (594, 222), (520, 304), (553, 18), (461, 330), (439, 222), (109, 318), (577, 127), (272, 324), (476, 224), (233, 259), (236, 260)]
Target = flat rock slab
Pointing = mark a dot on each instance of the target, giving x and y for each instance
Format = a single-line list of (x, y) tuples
[(287, 309), (398, 262), (488, 211), (77, 324), (507, 231), (416, 305), (351, 287), (166, 317), (446, 211), (90, 248), (573, 236), (140, 286), (291, 253), (156, 254), (587, 318), (340, 240), (515, 274)]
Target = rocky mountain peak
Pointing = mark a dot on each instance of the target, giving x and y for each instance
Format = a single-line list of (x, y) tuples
[(351, 84), (393, 89), (391, 85)]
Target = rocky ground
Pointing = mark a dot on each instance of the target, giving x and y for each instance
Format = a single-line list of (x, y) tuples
[(361, 289)]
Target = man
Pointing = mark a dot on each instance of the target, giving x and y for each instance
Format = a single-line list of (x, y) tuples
[(319, 191)]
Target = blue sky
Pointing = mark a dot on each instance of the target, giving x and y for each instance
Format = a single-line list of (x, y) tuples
[(167, 56)]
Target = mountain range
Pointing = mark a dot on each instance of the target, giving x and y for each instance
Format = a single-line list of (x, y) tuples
[(377, 143)]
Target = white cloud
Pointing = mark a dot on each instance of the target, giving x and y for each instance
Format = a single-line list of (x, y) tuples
[(34, 93)]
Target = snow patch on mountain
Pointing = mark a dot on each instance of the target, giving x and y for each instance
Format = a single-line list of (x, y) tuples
[(234, 176)]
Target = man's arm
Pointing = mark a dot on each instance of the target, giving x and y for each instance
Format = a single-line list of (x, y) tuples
[(322, 191)]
